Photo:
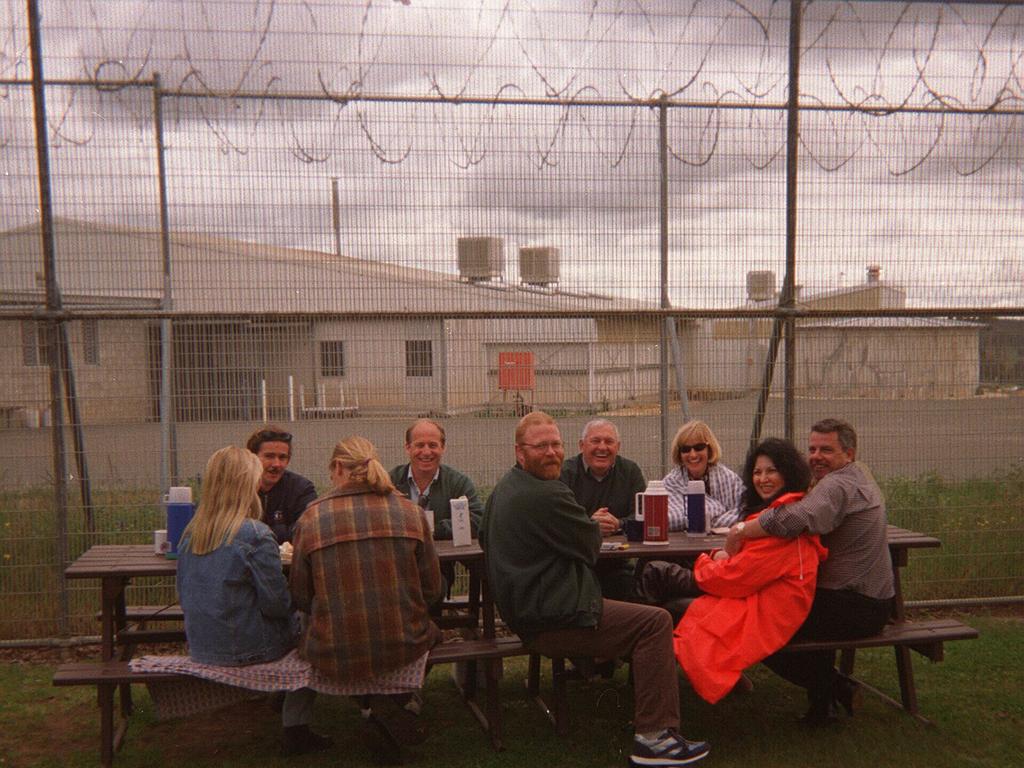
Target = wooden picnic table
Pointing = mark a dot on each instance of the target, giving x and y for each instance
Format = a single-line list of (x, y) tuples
[(115, 565), (686, 545)]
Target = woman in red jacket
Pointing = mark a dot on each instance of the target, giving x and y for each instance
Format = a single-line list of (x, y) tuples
[(754, 601)]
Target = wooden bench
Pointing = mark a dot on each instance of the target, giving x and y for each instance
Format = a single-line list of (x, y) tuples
[(925, 637), (107, 676), (143, 614), (457, 612)]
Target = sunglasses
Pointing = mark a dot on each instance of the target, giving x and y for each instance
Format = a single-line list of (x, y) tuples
[(423, 500), (695, 447), (268, 436)]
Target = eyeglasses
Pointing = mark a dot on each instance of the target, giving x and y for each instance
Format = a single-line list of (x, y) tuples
[(556, 445), (269, 436), (695, 447)]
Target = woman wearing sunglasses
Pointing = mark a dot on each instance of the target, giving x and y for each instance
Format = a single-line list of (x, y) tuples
[(695, 452)]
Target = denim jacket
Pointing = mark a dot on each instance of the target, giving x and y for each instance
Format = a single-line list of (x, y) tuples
[(235, 599)]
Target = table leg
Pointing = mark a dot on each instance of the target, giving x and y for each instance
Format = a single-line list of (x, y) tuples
[(905, 670), (113, 620), (489, 623), (473, 602), (493, 668), (106, 703), (899, 560), (112, 614), (846, 660), (904, 662)]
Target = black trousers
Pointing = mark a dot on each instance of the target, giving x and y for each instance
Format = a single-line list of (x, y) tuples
[(837, 614)]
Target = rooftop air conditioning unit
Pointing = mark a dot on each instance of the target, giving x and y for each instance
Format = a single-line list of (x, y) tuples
[(538, 266), (761, 285), (481, 258)]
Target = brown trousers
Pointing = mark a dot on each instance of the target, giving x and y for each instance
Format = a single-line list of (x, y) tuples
[(644, 634)]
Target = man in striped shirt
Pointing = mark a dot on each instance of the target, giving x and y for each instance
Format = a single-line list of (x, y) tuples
[(855, 583)]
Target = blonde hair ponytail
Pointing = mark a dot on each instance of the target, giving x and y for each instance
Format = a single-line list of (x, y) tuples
[(359, 457)]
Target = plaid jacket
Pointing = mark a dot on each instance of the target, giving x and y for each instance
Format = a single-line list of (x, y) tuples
[(365, 570)]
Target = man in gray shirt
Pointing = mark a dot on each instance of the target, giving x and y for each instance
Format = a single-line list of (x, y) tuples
[(855, 587)]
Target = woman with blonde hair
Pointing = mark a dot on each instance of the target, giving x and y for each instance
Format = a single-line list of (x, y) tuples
[(365, 571), (696, 454), (232, 590)]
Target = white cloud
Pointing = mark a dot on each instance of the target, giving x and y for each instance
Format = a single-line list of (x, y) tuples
[(414, 177)]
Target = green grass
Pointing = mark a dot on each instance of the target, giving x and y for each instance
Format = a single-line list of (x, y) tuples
[(980, 523), (974, 698)]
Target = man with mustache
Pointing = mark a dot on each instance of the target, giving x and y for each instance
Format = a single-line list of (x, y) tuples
[(541, 549)]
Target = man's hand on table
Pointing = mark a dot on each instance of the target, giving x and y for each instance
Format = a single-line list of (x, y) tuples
[(609, 523)]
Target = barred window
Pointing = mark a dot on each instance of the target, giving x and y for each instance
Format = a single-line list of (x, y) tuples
[(332, 359), (419, 357), (91, 341), (34, 339)]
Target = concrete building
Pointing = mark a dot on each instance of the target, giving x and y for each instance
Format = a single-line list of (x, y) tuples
[(337, 334), (851, 357), (334, 333)]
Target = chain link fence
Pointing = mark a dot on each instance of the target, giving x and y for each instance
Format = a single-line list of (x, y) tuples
[(342, 217)]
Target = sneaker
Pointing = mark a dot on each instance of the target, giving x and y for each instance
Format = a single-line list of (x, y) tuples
[(669, 748)]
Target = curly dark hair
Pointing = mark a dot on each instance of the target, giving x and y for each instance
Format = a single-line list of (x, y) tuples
[(791, 464)]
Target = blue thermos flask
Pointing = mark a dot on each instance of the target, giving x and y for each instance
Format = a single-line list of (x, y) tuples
[(179, 514), (696, 517)]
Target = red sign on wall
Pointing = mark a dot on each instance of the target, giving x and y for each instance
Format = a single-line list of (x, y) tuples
[(516, 371)]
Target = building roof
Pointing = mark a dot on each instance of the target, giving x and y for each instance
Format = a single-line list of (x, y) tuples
[(888, 323), (109, 266)]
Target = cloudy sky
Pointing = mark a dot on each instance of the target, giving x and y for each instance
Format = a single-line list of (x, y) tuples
[(935, 198)]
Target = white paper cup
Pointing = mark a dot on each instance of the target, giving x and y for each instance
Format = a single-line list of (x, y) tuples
[(161, 546)]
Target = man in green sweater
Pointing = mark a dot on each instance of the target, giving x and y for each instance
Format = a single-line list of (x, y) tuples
[(541, 549), (431, 484)]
